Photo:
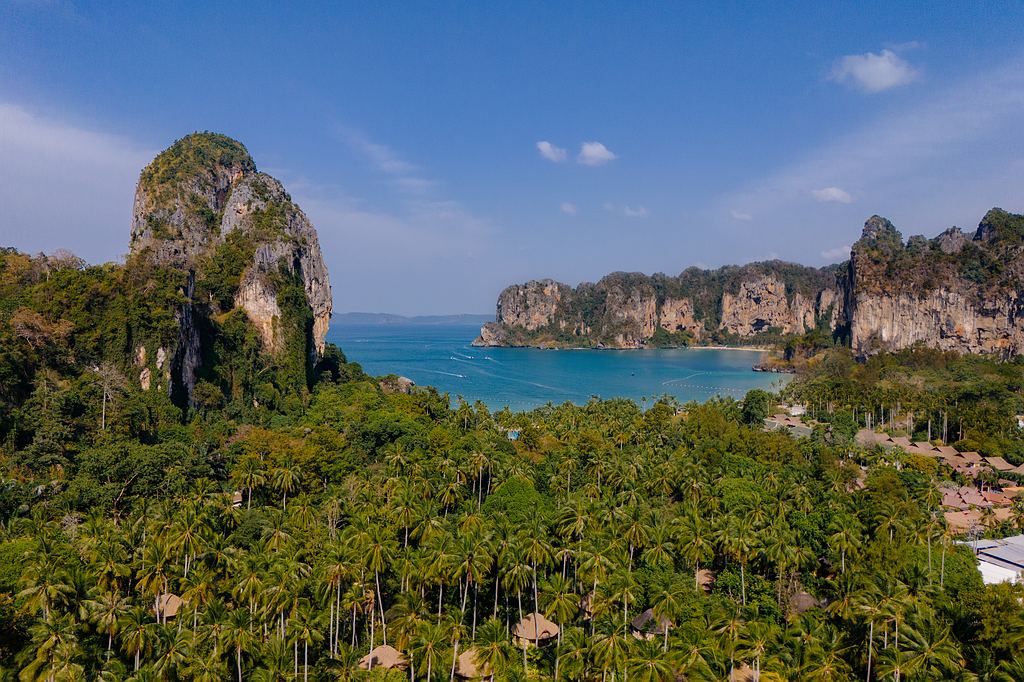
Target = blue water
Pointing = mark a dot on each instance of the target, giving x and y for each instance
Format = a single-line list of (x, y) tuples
[(523, 378)]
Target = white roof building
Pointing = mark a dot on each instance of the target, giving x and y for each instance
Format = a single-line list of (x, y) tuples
[(1001, 561)]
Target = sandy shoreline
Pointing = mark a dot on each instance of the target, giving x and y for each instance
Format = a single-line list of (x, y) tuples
[(757, 349)]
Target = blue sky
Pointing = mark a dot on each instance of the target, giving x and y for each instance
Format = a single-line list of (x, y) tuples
[(444, 150)]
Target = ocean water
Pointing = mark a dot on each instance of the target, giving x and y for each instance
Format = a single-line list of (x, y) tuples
[(523, 378)]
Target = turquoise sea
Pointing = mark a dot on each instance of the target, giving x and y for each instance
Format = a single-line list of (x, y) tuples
[(523, 378)]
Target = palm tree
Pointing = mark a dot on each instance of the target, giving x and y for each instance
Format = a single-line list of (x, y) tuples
[(754, 641), (285, 479), (610, 649), (494, 652), (429, 643), (377, 552), (155, 573), (728, 625), (237, 635), (933, 652), (175, 649), (572, 654), (204, 668), (661, 547), (1010, 670), (869, 604), (136, 633), (304, 630), (695, 544), (188, 533), (845, 537), (738, 541), (248, 474), (648, 664), (667, 606), (107, 611), (55, 641), (45, 581)]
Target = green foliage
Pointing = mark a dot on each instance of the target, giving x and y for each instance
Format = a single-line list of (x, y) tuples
[(359, 508), (975, 399), (757, 405), (190, 157), (223, 271)]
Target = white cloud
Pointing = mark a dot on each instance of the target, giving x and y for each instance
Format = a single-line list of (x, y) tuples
[(626, 210), (595, 154), (568, 208), (895, 148), (406, 176), (382, 157), (873, 72), (832, 194), (837, 254), (65, 186), (423, 221), (551, 152), (740, 215)]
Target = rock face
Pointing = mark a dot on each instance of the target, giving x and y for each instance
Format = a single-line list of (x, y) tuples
[(677, 315), (955, 292), (761, 304), (631, 310), (531, 306), (202, 207)]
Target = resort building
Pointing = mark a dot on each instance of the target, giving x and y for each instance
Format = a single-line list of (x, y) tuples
[(534, 630), (1001, 561), (385, 656)]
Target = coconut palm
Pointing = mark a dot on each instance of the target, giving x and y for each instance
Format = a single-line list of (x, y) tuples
[(611, 649), (286, 478), (429, 644), (136, 634), (106, 611), (648, 663), (237, 636), (248, 474), (695, 543)]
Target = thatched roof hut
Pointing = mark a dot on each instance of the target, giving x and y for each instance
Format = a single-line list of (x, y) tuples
[(705, 578), (646, 626), (385, 656), (534, 629), (801, 602), (467, 668), (168, 605), (742, 673)]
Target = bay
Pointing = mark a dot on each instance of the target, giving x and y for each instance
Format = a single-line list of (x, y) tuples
[(524, 378)]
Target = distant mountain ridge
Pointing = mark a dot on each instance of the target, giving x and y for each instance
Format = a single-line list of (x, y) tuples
[(957, 292), (359, 318)]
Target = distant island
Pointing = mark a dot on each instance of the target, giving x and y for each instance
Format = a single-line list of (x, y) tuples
[(363, 319), (957, 292)]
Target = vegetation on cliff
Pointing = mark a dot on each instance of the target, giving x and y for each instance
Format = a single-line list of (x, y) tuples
[(981, 264), (955, 292), (189, 162), (629, 309)]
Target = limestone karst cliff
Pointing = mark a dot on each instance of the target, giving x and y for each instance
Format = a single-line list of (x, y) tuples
[(954, 292), (632, 310), (203, 209)]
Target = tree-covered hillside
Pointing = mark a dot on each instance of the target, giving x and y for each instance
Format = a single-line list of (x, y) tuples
[(296, 545)]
